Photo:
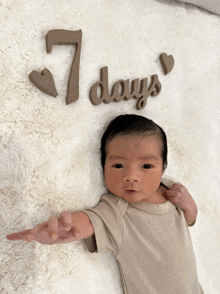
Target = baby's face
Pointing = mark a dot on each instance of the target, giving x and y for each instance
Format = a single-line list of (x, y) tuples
[(134, 167)]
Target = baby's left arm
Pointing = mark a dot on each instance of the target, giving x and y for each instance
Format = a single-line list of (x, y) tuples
[(179, 195)]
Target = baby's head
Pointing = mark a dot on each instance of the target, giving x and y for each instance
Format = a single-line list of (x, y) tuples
[(133, 125)]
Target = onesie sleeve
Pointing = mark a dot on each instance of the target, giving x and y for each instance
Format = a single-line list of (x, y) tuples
[(106, 219)]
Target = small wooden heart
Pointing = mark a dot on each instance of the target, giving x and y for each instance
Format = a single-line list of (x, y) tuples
[(167, 62), (44, 81)]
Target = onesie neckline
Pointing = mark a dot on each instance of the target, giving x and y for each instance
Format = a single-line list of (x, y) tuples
[(154, 208)]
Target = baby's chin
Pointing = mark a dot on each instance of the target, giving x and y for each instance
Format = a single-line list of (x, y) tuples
[(131, 197)]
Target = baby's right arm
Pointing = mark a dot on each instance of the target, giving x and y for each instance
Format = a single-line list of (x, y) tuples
[(67, 228)]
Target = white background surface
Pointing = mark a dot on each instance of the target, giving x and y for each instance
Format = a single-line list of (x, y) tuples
[(49, 151)]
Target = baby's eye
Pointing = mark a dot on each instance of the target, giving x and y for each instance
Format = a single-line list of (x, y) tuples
[(147, 166), (118, 165)]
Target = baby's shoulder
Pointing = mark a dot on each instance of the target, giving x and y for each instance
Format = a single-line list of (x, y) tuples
[(109, 197), (116, 202)]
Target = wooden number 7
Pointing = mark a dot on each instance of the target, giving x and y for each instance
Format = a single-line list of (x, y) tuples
[(64, 37)]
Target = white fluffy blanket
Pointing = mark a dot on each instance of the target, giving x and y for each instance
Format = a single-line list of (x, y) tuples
[(49, 151)]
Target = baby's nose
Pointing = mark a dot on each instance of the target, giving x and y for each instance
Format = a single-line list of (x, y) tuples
[(131, 176)]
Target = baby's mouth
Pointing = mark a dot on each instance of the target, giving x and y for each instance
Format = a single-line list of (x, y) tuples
[(130, 191)]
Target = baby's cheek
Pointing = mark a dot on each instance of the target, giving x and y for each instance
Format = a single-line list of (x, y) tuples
[(153, 180), (109, 180)]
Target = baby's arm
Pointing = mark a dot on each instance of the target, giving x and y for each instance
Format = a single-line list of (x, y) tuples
[(67, 228), (179, 195)]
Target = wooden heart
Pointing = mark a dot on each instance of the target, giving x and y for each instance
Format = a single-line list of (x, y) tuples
[(44, 81), (167, 62)]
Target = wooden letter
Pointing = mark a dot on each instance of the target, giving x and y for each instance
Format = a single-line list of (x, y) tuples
[(116, 96), (64, 37), (155, 84), (103, 84), (144, 93), (135, 89), (154, 90)]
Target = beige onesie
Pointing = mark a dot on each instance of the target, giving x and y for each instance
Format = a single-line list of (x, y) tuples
[(151, 243)]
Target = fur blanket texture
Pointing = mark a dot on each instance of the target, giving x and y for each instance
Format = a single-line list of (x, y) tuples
[(49, 151)]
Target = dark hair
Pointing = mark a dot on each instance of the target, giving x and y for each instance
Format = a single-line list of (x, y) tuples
[(131, 124)]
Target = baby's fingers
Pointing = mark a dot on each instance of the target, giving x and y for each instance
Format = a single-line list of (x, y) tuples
[(22, 235), (177, 187), (53, 228), (170, 193), (34, 233), (66, 220)]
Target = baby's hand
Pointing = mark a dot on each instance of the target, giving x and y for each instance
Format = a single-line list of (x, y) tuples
[(179, 195), (53, 231)]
